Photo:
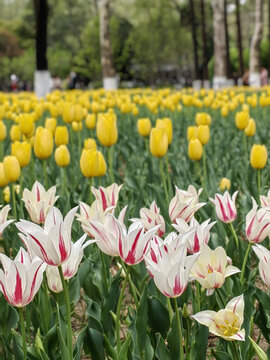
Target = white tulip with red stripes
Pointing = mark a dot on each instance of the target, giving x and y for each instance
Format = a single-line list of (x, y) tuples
[(107, 197), (3, 219), (257, 223), (225, 207), (264, 263), (227, 322), (21, 278)]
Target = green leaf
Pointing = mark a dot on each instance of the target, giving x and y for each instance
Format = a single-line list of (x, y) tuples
[(63, 347), (124, 349), (93, 344), (221, 355), (162, 351), (158, 316), (79, 343), (17, 345), (260, 353)]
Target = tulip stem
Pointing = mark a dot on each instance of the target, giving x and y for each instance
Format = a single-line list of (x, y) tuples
[(198, 296), (64, 180), (118, 343), (110, 156), (235, 236), (170, 309), (234, 349), (44, 166), (220, 298), (90, 189), (1, 150), (134, 290), (259, 182), (68, 312), (204, 168), (245, 146), (179, 329), (22, 325), (168, 176), (14, 200), (104, 271), (245, 263), (163, 180)]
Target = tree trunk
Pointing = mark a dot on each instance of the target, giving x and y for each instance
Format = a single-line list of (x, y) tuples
[(108, 70), (205, 69), (254, 61), (239, 38), (42, 75), (194, 39), (219, 44), (228, 61), (268, 37)]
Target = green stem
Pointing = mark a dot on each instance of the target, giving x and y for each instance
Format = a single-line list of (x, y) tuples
[(146, 145), (235, 236), (135, 292), (204, 168), (259, 183), (22, 325), (1, 196), (104, 271), (118, 343), (64, 181), (110, 155), (68, 312), (163, 180), (44, 167), (234, 350), (245, 146), (21, 189), (12, 185), (47, 302), (170, 309), (1, 150), (245, 263), (220, 298), (90, 190), (179, 329), (198, 296), (168, 176)]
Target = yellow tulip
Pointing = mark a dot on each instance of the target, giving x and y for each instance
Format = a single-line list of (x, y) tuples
[(144, 126), (11, 168), (251, 128), (61, 136), (166, 124), (203, 119), (258, 156), (51, 124), (158, 142), (203, 134), (225, 184), (90, 144), (107, 132), (241, 120), (192, 132), (22, 151), (26, 123), (43, 143), (6, 192), (15, 133), (102, 164), (224, 111), (68, 112), (3, 131), (89, 163), (62, 156), (3, 179), (90, 121), (76, 126), (195, 149)]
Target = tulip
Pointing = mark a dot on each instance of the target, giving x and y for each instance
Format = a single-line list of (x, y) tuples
[(199, 233), (225, 207), (203, 119), (3, 178), (22, 151), (166, 125), (264, 263), (107, 197), (3, 131), (61, 136), (227, 322), (21, 278), (211, 269), (76, 126), (89, 163), (11, 168), (68, 112), (26, 123), (251, 128), (90, 121), (144, 126), (150, 218), (257, 223), (53, 279), (265, 200), (258, 156), (43, 143), (62, 156), (38, 201), (158, 142), (6, 193), (90, 144), (52, 243), (195, 149), (185, 204), (242, 119), (51, 124), (203, 134), (192, 132), (225, 183), (15, 133), (102, 164), (107, 133), (3, 219)]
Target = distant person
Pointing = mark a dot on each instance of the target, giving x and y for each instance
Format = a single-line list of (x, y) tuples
[(57, 84), (246, 78), (72, 80), (14, 83), (264, 76)]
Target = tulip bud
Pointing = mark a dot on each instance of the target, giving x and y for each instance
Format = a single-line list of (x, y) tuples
[(11, 168), (166, 124), (203, 134), (43, 143), (251, 128), (61, 136), (3, 179), (158, 142), (90, 121), (195, 149), (107, 132), (3, 131), (258, 156), (144, 126), (26, 123), (89, 163), (15, 133), (22, 151), (224, 184), (192, 132), (50, 124), (90, 144), (76, 126), (203, 119), (185, 311), (6, 192), (102, 164), (241, 120), (62, 156)]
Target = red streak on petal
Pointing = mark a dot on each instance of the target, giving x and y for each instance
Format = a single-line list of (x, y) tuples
[(249, 229), (113, 198), (196, 246), (44, 254), (86, 213), (153, 256), (38, 193), (177, 289), (225, 217), (17, 296), (33, 284), (62, 248), (130, 259), (104, 201), (4, 292), (232, 214), (258, 237)]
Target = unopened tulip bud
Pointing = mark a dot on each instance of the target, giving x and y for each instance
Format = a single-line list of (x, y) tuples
[(3, 131), (241, 120), (15, 133), (195, 149), (203, 134), (158, 142), (50, 124), (90, 144), (76, 126), (90, 121), (224, 184), (22, 151), (3, 178), (12, 168), (62, 156), (251, 128), (43, 143), (6, 192), (107, 132), (144, 126), (192, 132), (185, 311), (61, 136), (89, 163), (258, 156)]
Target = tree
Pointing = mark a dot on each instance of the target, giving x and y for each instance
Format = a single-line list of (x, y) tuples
[(204, 45), (194, 39), (254, 60), (219, 79), (108, 70), (239, 38), (227, 41)]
